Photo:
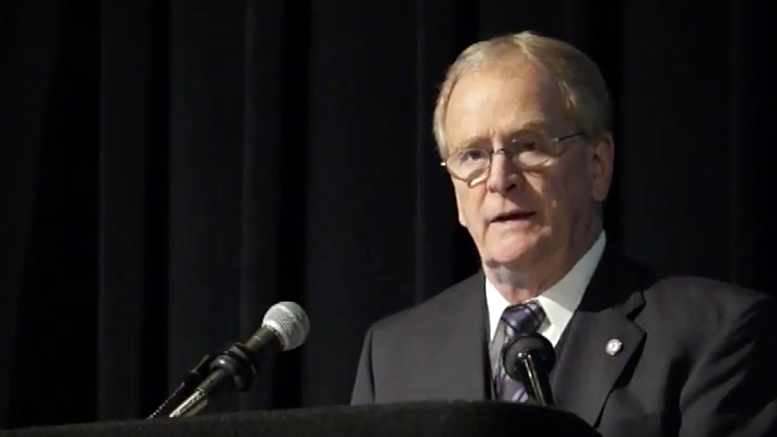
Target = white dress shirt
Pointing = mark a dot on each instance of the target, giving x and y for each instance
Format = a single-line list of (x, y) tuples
[(559, 301)]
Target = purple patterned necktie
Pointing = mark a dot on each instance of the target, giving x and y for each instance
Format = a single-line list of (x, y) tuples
[(521, 319)]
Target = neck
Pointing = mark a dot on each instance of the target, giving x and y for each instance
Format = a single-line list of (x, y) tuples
[(518, 285)]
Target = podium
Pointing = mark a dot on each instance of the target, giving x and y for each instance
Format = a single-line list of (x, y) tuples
[(427, 419)]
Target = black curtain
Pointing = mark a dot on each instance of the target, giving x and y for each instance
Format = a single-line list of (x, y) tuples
[(170, 169)]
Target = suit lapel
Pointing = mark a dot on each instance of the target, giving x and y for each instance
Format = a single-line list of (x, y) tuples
[(585, 372), (457, 343)]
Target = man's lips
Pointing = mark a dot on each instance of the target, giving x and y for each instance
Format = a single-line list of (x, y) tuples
[(511, 216)]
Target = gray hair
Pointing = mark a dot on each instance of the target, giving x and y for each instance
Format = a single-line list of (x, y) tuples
[(578, 77)]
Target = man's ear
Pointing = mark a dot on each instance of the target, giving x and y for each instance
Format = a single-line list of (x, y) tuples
[(602, 163)]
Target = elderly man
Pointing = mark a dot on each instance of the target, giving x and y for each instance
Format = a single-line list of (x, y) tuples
[(523, 128)]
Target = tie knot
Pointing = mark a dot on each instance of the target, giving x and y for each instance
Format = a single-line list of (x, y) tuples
[(524, 318)]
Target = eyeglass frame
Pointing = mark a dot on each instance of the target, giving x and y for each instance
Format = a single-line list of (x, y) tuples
[(507, 154)]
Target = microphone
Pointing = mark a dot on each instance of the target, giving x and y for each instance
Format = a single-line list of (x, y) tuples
[(285, 327), (529, 360)]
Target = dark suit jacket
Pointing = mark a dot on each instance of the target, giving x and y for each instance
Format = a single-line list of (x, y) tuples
[(698, 356)]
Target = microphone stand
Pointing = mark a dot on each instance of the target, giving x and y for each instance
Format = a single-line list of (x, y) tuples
[(191, 381)]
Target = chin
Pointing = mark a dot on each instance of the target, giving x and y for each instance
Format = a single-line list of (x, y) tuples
[(516, 255), (517, 251)]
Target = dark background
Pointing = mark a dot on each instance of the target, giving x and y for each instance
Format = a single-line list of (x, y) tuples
[(170, 169)]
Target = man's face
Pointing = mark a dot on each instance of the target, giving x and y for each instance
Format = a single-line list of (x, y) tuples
[(551, 211)]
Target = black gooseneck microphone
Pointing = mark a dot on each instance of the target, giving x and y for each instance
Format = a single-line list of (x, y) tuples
[(529, 360), (285, 327)]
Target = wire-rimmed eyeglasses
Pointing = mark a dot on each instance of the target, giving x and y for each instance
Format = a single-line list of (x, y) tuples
[(527, 151)]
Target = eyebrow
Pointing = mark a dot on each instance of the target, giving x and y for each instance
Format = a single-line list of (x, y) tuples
[(531, 125)]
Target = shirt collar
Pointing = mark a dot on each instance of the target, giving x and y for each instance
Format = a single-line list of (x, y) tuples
[(560, 301)]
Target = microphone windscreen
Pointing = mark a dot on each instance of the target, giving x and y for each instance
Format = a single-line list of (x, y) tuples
[(534, 344), (290, 322)]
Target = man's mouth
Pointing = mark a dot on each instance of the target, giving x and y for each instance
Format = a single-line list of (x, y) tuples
[(513, 216)]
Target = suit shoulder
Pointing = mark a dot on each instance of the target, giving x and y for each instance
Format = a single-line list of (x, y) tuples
[(425, 312), (706, 301)]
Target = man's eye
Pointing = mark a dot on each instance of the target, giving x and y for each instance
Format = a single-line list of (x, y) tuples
[(472, 155)]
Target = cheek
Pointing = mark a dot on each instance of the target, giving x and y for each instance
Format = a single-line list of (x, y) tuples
[(572, 194), (472, 211), (560, 196), (469, 202)]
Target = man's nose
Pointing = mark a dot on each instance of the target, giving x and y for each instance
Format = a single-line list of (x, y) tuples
[(503, 175)]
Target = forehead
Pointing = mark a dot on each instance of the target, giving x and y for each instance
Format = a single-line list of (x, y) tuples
[(498, 100)]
